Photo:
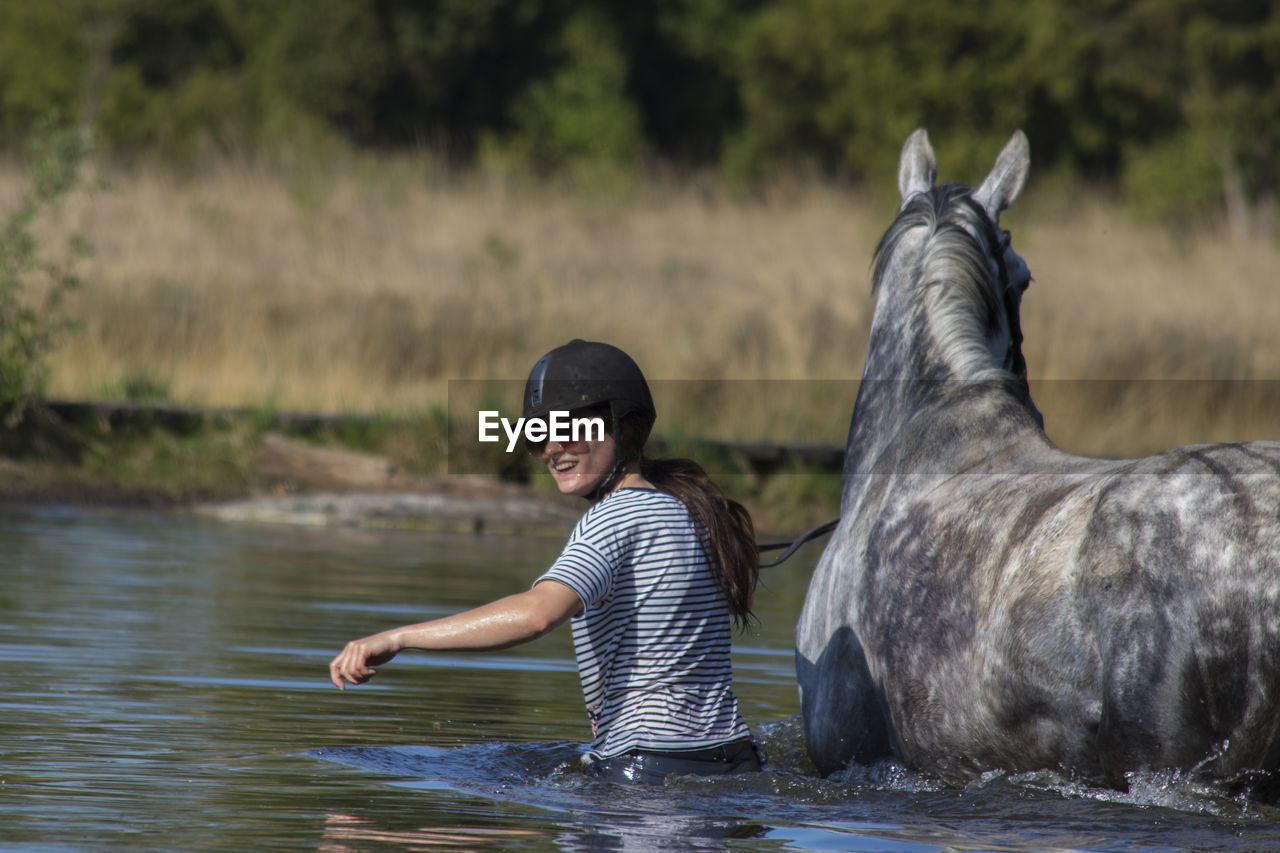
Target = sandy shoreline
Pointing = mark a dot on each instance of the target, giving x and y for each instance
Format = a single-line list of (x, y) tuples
[(302, 485)]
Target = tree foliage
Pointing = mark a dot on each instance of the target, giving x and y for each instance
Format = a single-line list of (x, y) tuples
[(34, 279), (1173, 100)]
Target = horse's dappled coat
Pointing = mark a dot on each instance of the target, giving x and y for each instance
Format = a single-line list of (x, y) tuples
[(989, 601)]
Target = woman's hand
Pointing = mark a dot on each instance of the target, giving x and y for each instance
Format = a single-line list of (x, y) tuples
[(356, 663), (500, 624)]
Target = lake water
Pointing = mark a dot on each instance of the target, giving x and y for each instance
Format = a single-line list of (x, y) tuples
[(165, 688)]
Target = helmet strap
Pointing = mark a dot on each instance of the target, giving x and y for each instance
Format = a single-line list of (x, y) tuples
[(617, 472), (606, 485)]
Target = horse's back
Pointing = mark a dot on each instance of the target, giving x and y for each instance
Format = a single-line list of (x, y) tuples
[(1205, 516), (1088, 613)]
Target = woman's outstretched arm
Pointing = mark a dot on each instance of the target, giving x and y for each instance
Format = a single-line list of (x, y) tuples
[(501, 624)]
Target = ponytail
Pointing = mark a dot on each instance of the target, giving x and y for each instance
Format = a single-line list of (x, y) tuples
[(728, 536)]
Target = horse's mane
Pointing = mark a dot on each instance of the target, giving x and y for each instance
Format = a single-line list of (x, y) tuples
[(960, 295)]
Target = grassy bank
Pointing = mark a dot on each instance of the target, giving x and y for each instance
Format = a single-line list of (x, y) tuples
[(368, 285)]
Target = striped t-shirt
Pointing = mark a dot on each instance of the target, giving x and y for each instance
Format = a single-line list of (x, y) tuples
[(653, 641)]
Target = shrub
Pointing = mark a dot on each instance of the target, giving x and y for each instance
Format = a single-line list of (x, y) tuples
[(33, 284)]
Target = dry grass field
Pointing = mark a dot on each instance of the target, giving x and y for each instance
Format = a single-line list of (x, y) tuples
[(367, 286)]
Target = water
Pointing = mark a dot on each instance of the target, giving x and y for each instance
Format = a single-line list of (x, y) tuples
[(165, 688)]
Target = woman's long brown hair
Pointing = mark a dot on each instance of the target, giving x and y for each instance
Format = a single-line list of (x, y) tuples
[(728, 536)]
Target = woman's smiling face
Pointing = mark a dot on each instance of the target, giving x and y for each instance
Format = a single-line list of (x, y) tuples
[(579, 467), (581, 464)]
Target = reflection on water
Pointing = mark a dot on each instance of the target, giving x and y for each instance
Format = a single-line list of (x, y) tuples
[(344, 832), (166, 688)]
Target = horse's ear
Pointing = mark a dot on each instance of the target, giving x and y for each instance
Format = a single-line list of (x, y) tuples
[(1002, 186), (918, 167)]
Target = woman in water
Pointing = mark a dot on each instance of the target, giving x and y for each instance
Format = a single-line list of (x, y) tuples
[(651, 576)]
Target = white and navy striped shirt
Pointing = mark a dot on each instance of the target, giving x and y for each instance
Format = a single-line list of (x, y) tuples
[(653, 641)]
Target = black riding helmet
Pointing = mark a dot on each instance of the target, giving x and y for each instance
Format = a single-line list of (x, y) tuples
[(582, 374)]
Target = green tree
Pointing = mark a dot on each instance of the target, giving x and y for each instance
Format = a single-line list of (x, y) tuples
[(34, 282), (174, 83), (1176, 100), (395, 72), (579, 120), (43, 63), (843, 82), (683, 72), (1233, 99)]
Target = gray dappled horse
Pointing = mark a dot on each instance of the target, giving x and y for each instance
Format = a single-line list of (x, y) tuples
[(989, 601)]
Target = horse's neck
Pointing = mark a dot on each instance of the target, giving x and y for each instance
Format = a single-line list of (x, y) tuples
[(934, 425), (921, 358)]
